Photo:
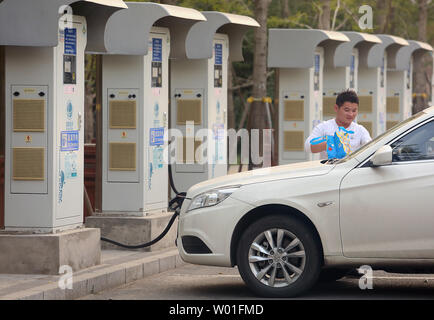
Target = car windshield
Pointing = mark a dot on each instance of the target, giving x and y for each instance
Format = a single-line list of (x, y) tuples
[(374, 141)]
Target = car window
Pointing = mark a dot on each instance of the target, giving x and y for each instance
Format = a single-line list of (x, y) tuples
[(378, 138), (416, 145)]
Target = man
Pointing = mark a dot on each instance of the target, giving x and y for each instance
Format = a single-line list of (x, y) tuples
[(346, 108)]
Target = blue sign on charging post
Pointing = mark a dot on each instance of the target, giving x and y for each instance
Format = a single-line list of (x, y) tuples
[(70, 41), (69, 141), (156, 136), (157, 49), (218, 54)]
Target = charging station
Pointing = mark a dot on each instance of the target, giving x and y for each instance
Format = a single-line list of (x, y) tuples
[(44, 85), (135, 91), (135, 105), (341, 70), (199, 97), (299, 54), (373, 82), (400, 82)]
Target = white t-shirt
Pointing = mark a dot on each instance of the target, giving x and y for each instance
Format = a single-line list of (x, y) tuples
[(328, 128)]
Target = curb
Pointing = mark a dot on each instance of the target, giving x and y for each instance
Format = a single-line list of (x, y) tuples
[(88, 281)]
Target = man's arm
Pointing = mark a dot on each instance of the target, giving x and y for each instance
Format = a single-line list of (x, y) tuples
[(315, 148), (316, 133), (365, 136)]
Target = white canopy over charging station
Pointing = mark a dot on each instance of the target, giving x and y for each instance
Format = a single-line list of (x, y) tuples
[(341, 70), (295, 48), (389, 45), (300, 55), (35, 23), (415, 50), (201, 36), (400, 81), (344, 52), (126, 32), (199, 96)]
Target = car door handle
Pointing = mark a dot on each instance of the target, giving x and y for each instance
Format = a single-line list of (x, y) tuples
[(325, 204)]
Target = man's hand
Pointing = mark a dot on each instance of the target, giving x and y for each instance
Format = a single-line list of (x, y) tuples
[(315, 148)]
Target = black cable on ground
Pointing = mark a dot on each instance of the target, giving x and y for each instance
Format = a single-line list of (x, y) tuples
[(148, 244), (178, 200)]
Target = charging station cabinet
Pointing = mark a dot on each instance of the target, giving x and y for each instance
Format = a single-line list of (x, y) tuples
[(373, 82), (400, 82), (135, 104), (199, 97), (299, 54), (45, 107), (341, 70)]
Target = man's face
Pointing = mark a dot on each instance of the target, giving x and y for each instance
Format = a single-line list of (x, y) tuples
[(346, 113)]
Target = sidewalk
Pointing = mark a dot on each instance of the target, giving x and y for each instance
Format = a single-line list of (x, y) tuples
[(117, 268)]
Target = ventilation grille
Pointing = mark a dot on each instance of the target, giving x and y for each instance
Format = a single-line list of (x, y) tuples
[(390, 124), (29, 115), (329, 106), (188, 158), (122, 156), (392, 104), (122, 114), (193, 245), (367, 125), (293, 110), (28, 163), (293, 141), (365, 104), (189, 110)]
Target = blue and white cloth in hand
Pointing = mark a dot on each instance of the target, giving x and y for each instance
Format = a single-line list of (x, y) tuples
[(338, 145)]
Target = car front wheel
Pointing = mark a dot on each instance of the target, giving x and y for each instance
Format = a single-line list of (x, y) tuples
[(278, 256)]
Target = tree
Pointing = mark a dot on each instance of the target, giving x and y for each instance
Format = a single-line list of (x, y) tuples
[(285, 9), (380, 16), (90, 96), (258, 116), (420, 101), (324, 16)]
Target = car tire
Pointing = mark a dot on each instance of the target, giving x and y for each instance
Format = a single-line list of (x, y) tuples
[(278, 256)]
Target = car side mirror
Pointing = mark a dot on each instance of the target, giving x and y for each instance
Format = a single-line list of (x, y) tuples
[(382, 156)]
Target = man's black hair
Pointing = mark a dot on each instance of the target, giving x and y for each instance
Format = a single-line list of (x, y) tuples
[(347, 96)]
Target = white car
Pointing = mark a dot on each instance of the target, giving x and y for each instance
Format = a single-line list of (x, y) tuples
[(284, 226)]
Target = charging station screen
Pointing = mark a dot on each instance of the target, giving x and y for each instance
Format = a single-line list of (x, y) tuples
[(382, 74), (218, 65), (352, 68), (157, 63), (316, 73), (69, 56)]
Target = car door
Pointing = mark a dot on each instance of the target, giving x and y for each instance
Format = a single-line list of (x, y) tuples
[(388, 211)]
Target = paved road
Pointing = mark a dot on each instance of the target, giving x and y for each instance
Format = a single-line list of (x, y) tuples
[(192, 282)]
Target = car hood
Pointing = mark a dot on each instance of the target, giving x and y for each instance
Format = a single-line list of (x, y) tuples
[(290, 171)]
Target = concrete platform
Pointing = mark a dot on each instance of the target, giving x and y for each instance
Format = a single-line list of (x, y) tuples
[(117, 268), (45, 253), (131, 230)]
